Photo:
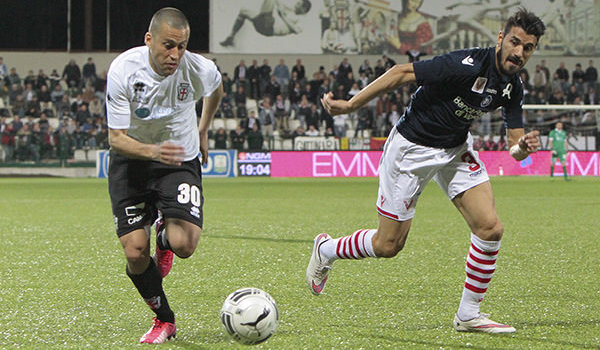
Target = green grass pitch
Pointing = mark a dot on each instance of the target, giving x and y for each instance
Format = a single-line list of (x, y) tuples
[(63, 284)]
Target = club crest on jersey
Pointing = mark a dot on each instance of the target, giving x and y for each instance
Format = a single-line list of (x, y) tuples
[(486, 101), (479, 85), (139, 92), (183, 90), (506, 91)]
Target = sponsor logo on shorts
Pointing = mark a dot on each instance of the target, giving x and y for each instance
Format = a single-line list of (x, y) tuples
[(135, 213), (195, 212), (476, 173)]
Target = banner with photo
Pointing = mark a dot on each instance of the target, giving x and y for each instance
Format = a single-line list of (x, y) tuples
[(413, 27)]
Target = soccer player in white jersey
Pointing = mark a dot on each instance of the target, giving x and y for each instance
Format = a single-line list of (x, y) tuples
[(432, 141), (155, 137)]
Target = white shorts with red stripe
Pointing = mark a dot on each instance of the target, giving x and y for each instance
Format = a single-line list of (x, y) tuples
[(407, 167)]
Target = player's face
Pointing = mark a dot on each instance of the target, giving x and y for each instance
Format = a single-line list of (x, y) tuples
[(559, 126), (514, 50), (167, 46)]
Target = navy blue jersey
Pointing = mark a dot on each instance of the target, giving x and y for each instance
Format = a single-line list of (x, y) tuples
[(455, 89)]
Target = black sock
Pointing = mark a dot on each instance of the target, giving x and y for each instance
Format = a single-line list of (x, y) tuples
[(149, 284)]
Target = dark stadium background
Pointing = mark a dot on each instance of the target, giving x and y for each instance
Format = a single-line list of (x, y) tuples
[(42, 24)]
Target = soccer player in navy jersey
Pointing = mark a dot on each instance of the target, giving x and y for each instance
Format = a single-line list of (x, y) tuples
[(432, 140)]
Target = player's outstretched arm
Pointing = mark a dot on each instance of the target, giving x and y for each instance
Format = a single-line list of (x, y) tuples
[(209, 107), (167, 153), (397, 75), (520, 145)]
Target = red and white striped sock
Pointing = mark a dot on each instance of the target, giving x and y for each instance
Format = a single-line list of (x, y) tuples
[(481, 264), (358, 245)]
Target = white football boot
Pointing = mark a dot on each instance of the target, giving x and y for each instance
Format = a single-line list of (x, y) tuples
[(482, 324), (317, 271)]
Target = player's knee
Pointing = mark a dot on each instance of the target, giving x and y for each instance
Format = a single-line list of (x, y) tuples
[(490, 230), (185, 251), (135, 254), (387, 249)]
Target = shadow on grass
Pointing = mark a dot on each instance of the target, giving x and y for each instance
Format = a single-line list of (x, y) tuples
[(266, 239)]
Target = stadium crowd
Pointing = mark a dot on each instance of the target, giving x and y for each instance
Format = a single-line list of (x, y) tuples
[(51, 116)]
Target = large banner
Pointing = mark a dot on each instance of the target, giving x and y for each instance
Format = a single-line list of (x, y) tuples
[(393, 26), (366, 164)]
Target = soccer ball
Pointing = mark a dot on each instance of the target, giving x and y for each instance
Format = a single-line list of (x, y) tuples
[(250, 315)]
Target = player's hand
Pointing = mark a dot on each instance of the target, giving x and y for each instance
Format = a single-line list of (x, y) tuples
[(170, 153), (530, 141), (204, 147), (335, 107)]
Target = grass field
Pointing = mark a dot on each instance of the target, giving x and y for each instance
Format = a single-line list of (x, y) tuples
[(63, 283)]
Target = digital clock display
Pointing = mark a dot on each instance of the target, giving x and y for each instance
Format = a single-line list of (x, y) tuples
[(254, 164)]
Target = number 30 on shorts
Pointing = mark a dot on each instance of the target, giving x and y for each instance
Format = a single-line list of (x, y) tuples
[(189, 193)]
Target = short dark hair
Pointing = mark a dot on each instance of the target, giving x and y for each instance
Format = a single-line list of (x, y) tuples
[(306, 5), (527, 20), (170, 15)]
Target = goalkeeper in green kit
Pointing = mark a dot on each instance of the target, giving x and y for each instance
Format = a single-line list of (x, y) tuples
[(558, 144)]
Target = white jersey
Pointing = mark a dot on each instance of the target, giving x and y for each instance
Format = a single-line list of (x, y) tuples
[(153, 108)]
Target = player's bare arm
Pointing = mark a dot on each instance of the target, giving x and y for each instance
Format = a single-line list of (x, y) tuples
[(167, 153), (396, 76), (209, 107), (520, 145)]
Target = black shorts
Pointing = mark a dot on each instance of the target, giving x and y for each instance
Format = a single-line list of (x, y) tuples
[(138, 188)]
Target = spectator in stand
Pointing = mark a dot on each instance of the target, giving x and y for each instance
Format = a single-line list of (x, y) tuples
[(18, 107), (266, 116), (489, 144), (329, 132), (72, 74), (7, 139), (264, 77), (248, 123), (64, 145), (3, 69), (253, 80), (365, 68), (282, 112), (293, 81), (282, 73), (33, 108), (478, 143), (527, 87), (272, 89), (393, 118), (539, 79), (13, 78), (29, 92), (384, 107), (363, 122), (591, 97), (299, 69), (303, 111), (83, 114), (226, 108), (557, 98), (45, 98), (379, 69), (339, 125), (227, 83), (44, 122), (63, 107), (572, 94), (240, 102), (22, 142), (556, 84), (41, 80), (54, 79), (578, 78), (238, 137), (221, 139), (89, 72), (298, 132), (591, 75), (343, 69), (47, 150), (255, 139), (30, 79), (502, 144), (295, 97), (96, 108), (563, 76), (312, 131), (240, 74)]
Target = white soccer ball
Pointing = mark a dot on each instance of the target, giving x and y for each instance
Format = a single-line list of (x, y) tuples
[(250, 315)]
